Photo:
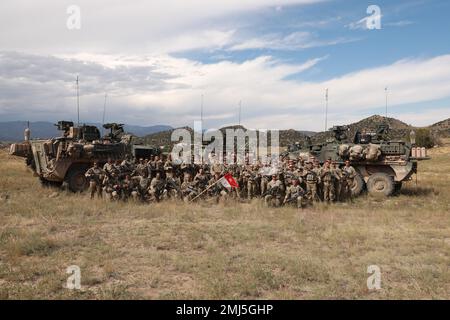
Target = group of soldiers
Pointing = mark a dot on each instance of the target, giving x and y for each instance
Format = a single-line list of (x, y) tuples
[(296, 182)]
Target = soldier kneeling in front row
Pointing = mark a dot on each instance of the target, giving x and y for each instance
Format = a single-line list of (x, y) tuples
[(274, 192), (294, 194)]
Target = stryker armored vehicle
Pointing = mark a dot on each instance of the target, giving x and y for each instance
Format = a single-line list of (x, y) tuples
[(67, 158), (382, 164)]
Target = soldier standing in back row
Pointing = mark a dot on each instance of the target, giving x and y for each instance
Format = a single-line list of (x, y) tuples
[(328, 178), (318, 171), (141, 167), (350, 174), (311, 183), (250, 177), (338, 182), (95, 176), (109, 166)]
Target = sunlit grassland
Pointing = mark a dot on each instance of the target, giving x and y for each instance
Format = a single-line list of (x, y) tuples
[(241, 250)]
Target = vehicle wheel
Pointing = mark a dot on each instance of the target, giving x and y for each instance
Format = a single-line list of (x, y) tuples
[(397, 187), (358, 185), (381, 184), (76, 179)]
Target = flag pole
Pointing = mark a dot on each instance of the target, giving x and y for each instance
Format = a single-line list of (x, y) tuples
[(209, 187)]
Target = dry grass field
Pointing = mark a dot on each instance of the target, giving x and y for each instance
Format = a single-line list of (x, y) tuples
[(176, 251)]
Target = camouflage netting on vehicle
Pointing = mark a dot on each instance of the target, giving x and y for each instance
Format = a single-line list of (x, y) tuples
[(356, 153), (344, 151), (372, 152)]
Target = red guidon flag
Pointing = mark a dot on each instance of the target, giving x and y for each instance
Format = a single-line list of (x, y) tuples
[(228, 181)]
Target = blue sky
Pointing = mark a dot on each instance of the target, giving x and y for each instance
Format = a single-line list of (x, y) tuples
[(156, 59), (409, 29)]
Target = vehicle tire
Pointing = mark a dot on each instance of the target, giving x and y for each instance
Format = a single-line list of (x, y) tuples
[(381, 184), (76, 179), (397, 187), (358, 185)]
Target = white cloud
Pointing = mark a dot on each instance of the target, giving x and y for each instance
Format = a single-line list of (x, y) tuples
[(164, 89), (358, 25), (114, 26), (293, 41)]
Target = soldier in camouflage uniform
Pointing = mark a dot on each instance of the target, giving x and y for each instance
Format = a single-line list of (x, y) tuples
[(300, 163), (294, 194), (274, 192), (141, 167), (154, 184), (173, 184), (128, 185), (188, 188), (151, 167), (338, 182), (201, 178), (112, 186), (250, 178), (168, 164), (158, 165), (263, 172), (109, 167), (95, 176), (143, 185), (328, 177), (218, 191), (127, 166), (311, 183), (118, 168), (318, 171), (350, 175), (216, 166)]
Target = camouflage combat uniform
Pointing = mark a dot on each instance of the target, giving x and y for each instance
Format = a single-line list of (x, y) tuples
[(274, 193), (95, 176), (328, 184), (350, 174), (294, 194), (311, 184)]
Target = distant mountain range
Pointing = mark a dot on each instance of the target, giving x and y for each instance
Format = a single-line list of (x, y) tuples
[(160, 135), (398, 130), (13, 130)]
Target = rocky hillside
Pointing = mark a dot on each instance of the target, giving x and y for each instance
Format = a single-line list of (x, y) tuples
[(164, 138), (398, 129), (441, 129), (160, 139)]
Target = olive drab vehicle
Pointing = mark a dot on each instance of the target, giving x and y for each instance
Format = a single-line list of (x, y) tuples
[(67, 158), (382, 164)]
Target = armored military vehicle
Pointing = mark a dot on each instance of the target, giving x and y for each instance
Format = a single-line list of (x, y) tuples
[(382, 164), (66, 158)]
